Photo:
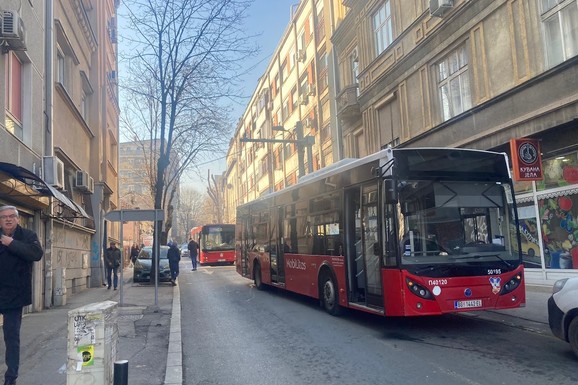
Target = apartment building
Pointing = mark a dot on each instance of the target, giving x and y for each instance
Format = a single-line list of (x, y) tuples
[(58, 135), (288, 126), (472, 74), (440, 73), (137, 174)]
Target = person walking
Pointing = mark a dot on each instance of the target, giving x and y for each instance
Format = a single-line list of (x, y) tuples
[(134, 251), (193, 247), (19, 249), (112, 263), (174, 256)]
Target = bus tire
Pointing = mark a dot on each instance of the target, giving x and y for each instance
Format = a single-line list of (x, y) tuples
[(573, 335), (329, 294), (257, 276)]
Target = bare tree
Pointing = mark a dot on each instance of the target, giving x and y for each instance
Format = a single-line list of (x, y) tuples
[(190, 211), (183, 58)]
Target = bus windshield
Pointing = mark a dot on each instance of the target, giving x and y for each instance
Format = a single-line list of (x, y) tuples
[(457, 222), (218, 238)]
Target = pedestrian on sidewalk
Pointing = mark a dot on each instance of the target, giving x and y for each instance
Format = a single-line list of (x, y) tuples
[(19, 249), (134, 251), (174, 256), (112, 263), (193, 247)]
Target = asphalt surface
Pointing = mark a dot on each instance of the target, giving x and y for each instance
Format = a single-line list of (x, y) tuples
[(149, 331)]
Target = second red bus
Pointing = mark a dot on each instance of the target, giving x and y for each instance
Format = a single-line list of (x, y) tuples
[(216, 243)]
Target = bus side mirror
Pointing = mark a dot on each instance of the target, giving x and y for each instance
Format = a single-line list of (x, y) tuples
[(390, 191)]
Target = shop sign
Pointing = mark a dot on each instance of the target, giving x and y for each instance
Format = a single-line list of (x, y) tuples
[(526, 159)]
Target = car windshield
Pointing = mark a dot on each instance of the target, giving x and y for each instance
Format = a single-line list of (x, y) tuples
[(146, 252), (457, 222)]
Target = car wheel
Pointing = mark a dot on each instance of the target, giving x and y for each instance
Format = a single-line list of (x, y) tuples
[(257, 276), (573, 335), (329, 295)]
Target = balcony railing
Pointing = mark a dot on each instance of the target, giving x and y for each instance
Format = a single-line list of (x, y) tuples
[(348, 104)]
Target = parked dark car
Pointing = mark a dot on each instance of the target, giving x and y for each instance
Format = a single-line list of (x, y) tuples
[(563, 311), (142, 265)]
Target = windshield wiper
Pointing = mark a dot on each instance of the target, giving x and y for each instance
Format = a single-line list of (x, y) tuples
[(478, 256)]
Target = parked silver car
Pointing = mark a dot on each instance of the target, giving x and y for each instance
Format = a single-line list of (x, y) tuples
[(185, 250), (563, 311)]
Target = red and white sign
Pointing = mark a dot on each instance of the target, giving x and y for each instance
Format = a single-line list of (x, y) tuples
[(526, 159)]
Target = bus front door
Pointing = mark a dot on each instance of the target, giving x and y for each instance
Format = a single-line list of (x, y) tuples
[(363, 259)]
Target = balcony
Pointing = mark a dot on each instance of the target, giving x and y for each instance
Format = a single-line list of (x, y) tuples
[(347, 104)]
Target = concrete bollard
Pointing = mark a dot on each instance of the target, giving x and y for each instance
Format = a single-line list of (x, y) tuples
[(92, 344)]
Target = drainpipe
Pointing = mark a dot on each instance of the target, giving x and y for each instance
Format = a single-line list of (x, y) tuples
[(48, 141)]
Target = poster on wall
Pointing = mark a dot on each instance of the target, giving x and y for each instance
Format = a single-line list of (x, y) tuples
[(526, 159)]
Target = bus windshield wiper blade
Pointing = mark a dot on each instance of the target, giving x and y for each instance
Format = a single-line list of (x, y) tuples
[(479, 255)]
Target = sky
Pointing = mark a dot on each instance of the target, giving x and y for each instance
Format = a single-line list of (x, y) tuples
[(268, 19)]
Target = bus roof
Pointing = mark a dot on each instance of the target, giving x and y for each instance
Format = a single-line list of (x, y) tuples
[(384, 156)]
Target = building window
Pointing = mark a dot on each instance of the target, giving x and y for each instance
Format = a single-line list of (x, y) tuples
[(61, 68), (285, 109), (560, 29), (354, 63), (13, 95), (382, 28), (294, 99), (454, 83)]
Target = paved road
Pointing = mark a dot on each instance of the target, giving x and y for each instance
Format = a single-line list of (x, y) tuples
[(233, 334)]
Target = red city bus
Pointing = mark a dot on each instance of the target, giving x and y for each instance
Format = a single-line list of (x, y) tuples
[(216, 243), (403, 232)]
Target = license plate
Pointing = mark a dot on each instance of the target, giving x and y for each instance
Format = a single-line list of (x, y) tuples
[(221, 260), (467, 304)]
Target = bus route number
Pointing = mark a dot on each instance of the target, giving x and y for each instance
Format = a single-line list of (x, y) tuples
[(437, 282)]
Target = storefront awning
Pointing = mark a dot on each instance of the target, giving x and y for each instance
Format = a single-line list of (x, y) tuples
[(39, 187)]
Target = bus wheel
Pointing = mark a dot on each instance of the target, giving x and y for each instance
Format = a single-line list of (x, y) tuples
[(257, 276), (329, 295)]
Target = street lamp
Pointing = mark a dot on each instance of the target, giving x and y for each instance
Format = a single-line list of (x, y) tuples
[(301, 142)]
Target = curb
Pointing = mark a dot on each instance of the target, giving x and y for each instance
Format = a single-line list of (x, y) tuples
[(174, 370)]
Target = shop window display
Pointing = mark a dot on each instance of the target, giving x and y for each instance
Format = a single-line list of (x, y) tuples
[(558, 211), (560, 231)]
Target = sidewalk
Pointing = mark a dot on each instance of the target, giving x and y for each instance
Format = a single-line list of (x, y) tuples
[(148, 335)]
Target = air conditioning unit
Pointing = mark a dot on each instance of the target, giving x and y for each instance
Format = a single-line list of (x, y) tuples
[(301, 55), (54, 172), (13, 33), (303, 100), (84, 181), (440, 7), (312, 89)]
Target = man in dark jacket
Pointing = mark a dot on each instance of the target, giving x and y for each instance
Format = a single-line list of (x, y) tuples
[(193, 247), (174, 256), (112, 263), (19, 249)]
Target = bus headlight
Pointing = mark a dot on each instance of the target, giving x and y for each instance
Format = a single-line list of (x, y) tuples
[(512, 284), (418, 289)]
